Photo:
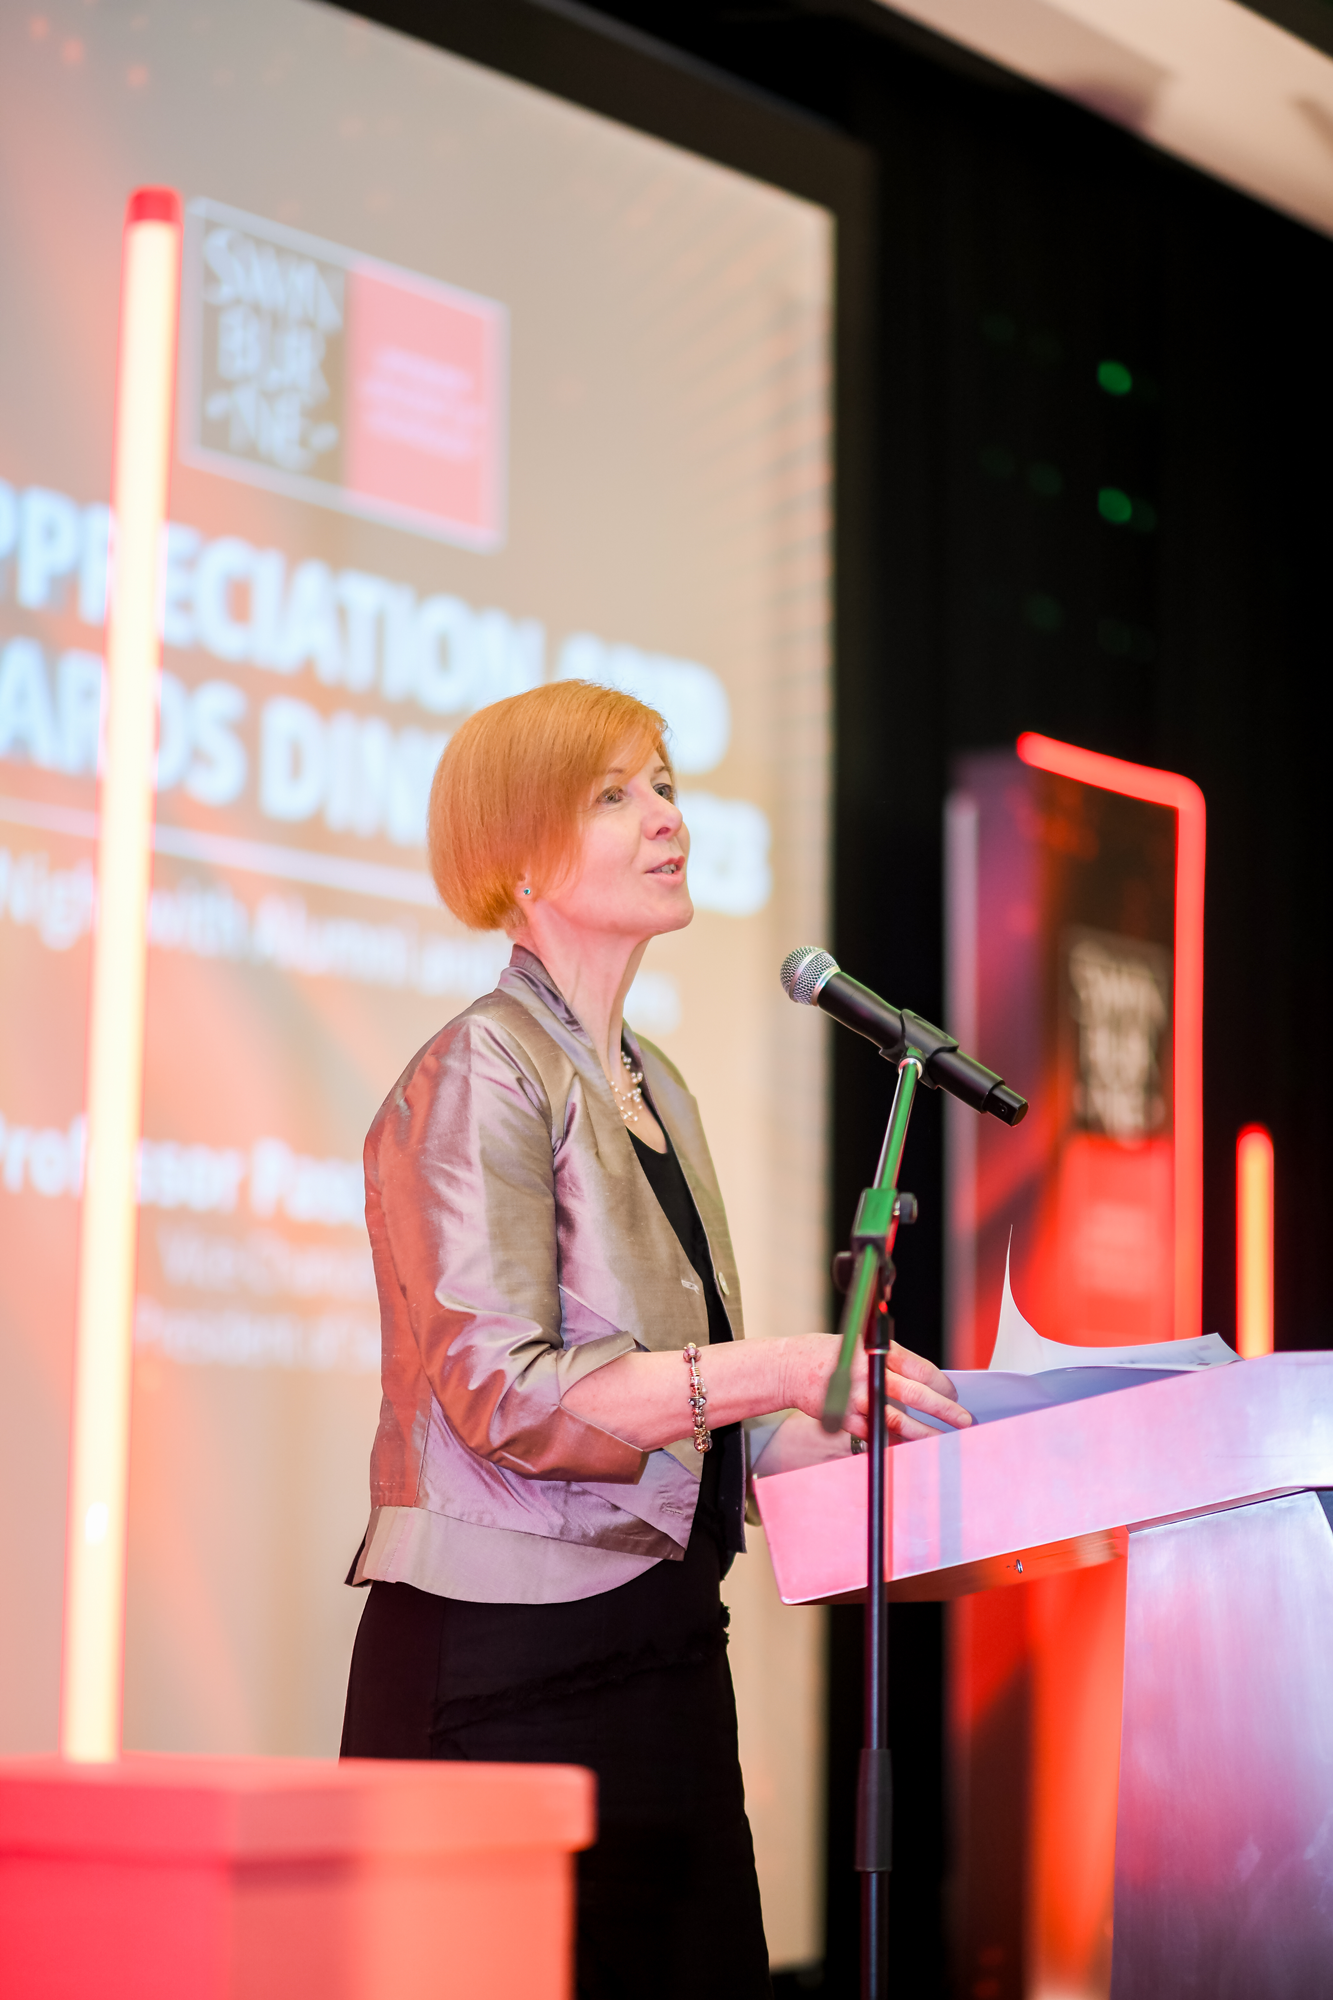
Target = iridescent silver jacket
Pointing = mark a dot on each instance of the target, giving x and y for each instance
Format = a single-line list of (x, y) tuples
[(518, 1245)]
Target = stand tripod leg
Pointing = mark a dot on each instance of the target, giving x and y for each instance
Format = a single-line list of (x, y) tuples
[(875, 1936), (874, 1830), (865, 1322)]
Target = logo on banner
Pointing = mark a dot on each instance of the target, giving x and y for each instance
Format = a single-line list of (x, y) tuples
[(336, 379), (1119, 1001)]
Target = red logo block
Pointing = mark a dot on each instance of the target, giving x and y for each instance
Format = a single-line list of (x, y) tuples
[(425, 394)]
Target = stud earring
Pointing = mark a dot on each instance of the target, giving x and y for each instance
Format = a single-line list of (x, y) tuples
[(527, 892)]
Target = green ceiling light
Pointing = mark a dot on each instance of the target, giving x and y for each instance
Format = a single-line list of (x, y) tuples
[(1114, 506), (1046, 613), (1114, 377), (1125, 641), (999, 327)]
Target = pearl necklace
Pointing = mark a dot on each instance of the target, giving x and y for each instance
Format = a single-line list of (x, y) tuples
[(629, 1096)]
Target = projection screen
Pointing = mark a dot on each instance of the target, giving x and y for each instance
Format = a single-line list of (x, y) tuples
[(478, 389)]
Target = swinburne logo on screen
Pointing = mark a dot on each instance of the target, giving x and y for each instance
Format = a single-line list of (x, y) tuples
[(331, 377)]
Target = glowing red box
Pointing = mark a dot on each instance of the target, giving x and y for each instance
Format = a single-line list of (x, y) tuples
[(209, 1878)]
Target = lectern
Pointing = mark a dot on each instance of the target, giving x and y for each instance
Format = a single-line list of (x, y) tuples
[(1216, 1490)]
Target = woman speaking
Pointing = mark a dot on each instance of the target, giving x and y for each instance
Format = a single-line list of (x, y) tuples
[(558, 1478)]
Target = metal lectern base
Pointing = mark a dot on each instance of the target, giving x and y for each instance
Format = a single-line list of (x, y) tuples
[(1224, 1837)]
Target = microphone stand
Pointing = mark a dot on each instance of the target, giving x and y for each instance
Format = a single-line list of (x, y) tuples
[(869, 1271)]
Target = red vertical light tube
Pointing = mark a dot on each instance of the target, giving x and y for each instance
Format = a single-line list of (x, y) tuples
[(1254, 1242), (90, 1707)]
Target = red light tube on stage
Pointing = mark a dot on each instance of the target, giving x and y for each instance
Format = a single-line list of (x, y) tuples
[(1254, 1242), (1166, 788), (93, 1663)]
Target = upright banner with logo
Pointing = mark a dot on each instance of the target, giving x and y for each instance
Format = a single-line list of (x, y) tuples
[(1062, 932), (477, 390)]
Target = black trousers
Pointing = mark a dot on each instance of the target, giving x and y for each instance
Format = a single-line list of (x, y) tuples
[(634, 1684)]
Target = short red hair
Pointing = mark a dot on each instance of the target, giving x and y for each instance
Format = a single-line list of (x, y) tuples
[(510, 792)]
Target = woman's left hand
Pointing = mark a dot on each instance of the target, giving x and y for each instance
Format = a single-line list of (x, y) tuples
[(801, 1440), (914, 1368), (919, 1384)]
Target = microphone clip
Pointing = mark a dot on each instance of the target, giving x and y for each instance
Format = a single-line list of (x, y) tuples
[(922, 1039)]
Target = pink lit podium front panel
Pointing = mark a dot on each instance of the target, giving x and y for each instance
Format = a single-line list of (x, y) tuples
[(1208, 1487), (210, 1878)]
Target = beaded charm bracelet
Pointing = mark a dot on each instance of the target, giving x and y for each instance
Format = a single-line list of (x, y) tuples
[(703, 1437)]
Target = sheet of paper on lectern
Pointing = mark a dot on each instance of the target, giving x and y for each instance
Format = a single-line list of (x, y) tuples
[(1021, 1350), (1028, 1372)]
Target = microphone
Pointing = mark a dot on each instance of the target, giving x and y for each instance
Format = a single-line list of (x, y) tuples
[(813, 978)]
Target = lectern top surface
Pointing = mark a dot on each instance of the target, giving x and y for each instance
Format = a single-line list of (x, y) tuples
[(1058, 1488)]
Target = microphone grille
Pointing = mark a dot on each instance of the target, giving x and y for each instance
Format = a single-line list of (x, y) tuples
[(805, 972)]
